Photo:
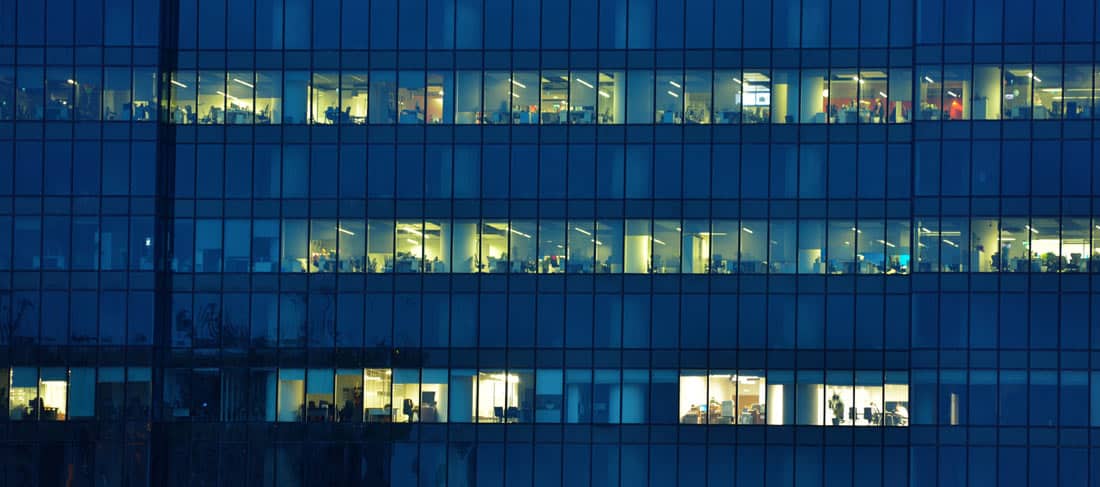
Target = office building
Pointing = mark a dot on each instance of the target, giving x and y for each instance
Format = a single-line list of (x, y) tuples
[(546, 243)]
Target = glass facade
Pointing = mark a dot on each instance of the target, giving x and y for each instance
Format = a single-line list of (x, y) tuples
[(530, 243)]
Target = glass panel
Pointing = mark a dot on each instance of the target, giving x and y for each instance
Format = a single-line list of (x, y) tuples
[(462, 401), (554, 97), (611, 91), (349, 395), (930, 94), (666, 246), (324, 98), (59, 94), (498, 97), (754, 249), (815, 96), (7, 90), (1076, 94), (871, 247), (751, 397), (696, 245), (296, 97), (811, 247), (376, 395), (722, 397), (728, 96), (319, 396), (756, 96), (551, 247), (956, 92), (295, 245), (984, 245), (352, 245), (1045, 245), (116, 93), (433, 396), (900, 96), (322, 246), (406, 394), (785, 99), (873, 95), (1075, 245), (548, 396), (609, 246), (843, 92), (353, 98), (670, 97), (410, 97), (468, 97), (581, 249), (211, 97), (24, 402), (1048, 95), (410, 246), (292, 387), (525, 97), (697, 96), (240, 89), (28, 95), (269, 97), (895, 399), (897, 247), (637, 247), (82, 392), (725, 238), (783, 247), (842, 247), (840, 409), (89, 98), (987, 93), (524, 242), (1017, 92), (494, 247), (869, 399), (693, 397), (1015, 242), (380, 234), (440, 105), (583, 95)]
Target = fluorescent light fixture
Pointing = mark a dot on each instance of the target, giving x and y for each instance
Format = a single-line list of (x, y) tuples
[(344, 230), (517, 232), (929, 80), (517, 83), (747, 230), (882, 94), (674, 95), (735, 80), (586, 232), (673, 83), (412, 230), (409, 240), (854, 229), (948, 242), (604, 94), (583, 82), (952, 93), (657, 241), (243, 82), (177, 83), (1032, 76), (71, 82), (1031, 229), (515, 95)]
